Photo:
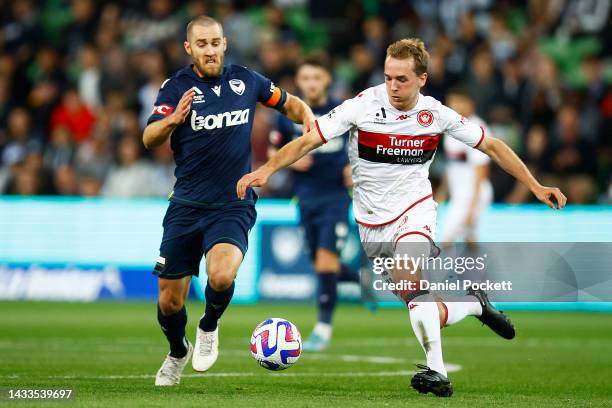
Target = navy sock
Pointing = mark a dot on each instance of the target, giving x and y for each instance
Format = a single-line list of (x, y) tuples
[(173, 327), (216, 303), (327, 296), (347, 274)]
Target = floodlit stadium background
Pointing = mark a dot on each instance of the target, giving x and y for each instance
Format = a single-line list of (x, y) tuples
[(81, 201)]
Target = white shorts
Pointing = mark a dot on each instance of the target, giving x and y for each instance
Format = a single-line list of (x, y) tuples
[(418, 221)]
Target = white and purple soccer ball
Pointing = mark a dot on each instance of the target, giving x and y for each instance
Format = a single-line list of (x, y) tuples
[(276, 344)]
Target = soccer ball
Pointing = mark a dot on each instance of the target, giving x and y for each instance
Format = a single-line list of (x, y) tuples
[(276, 344)]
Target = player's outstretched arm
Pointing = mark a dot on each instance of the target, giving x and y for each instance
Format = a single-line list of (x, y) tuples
[(288, 154), (297, 111), (510, 162), (156, 133)]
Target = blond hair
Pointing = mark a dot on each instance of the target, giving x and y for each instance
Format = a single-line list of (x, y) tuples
[(410, 47)]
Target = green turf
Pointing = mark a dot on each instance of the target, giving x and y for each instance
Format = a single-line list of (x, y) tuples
[(558, 359)]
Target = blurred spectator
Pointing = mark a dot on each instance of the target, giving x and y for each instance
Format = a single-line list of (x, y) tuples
[(94, 156), (513, 86), (468, 41), (153, 70), (76, 88), (145, 30), (89, 76), (25, 182), (502, 40), (239, 27), (364, 67), (60, 150), (89, 186), (571, 159), (6, 104), (82, 29), (132, 176), (483, 83), (439, 80), (162, 171), (542, 91), (74, 115), (65, 180), (21, 138)]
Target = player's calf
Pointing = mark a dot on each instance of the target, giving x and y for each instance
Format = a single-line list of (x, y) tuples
[(172, 315)]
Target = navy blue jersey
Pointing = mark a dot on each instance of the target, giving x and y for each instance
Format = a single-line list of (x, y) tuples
[(324, 179), (212, 149)]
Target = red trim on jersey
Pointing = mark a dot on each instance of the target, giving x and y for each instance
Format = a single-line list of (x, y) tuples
[(375, 139), (481, 138), (411, 233), (446, 314), (396, 218), (320, 133)]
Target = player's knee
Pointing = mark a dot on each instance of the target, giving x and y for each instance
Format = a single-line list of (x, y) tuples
[(220, 276), (170, 303), (220, 282)]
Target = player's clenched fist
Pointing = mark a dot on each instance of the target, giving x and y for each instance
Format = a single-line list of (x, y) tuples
[(255, 179), (183, 108)]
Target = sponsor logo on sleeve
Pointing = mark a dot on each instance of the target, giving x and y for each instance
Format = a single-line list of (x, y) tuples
[(163, 110)]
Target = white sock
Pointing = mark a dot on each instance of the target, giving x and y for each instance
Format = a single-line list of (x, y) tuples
[(323, 330), (458, 308), (425, 321)]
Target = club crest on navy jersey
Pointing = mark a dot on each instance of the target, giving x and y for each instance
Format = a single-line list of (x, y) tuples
[(237, 86)]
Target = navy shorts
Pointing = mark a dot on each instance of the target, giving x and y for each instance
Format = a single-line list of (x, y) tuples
[(325, 224), (189, 233)]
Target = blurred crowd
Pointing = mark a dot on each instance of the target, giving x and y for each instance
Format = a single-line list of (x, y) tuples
[(78, 80)]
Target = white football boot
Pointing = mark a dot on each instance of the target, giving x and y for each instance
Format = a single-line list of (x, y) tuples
[(206, 349), (172, 368)]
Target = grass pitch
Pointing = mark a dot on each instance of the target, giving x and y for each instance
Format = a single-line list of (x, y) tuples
[(109, 354)]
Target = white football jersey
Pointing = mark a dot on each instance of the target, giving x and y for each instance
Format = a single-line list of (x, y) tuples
[(461, 167), (391, 151)]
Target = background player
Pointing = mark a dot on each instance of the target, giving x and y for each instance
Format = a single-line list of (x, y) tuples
[(394, 135), (320, 181), (467, 176), (208, 110)]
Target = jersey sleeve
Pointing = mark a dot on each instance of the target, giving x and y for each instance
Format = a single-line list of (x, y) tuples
[(167, 99), (269, 94), (339, 120), (460, 127), (475, 156)]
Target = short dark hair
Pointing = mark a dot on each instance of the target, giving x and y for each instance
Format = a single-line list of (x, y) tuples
[(319, 60), (459, 91), (202, 20)]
